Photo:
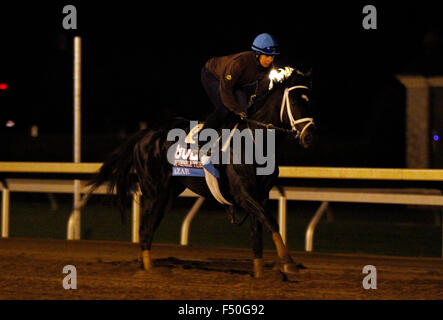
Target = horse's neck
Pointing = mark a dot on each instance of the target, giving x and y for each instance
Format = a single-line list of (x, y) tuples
[(269, 112)]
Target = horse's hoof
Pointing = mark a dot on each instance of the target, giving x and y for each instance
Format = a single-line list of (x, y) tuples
[(146, 274), (259, 268), (288, 268), (155, 272), (146, 267), (146, 260)]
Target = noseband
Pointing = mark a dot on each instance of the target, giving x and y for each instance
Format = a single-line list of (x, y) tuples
[(286, 105)]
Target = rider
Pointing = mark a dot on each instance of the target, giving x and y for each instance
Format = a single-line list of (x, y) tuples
[(232, 82)]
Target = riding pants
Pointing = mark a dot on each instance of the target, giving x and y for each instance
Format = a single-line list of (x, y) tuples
[(220, 113)]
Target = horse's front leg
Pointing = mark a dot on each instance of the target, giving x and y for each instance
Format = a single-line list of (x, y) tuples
[(258, 212), (244, 183), (257, 246), (288, 264)]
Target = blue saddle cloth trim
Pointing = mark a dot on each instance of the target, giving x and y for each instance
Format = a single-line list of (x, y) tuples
[(195, 172), (187, 172), (212, 170)]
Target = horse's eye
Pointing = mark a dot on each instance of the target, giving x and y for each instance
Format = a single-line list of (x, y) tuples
[(305, 97)]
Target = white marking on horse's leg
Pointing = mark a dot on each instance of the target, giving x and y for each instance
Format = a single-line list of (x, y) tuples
[(258, 268), (147, 261), (282, 251)]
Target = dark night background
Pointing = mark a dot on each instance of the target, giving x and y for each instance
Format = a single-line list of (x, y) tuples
[(142, 61)]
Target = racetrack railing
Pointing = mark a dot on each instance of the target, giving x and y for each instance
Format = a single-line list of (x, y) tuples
[(416, 196)]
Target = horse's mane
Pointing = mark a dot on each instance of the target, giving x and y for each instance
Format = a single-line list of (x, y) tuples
[(277, 85), (287, 79)]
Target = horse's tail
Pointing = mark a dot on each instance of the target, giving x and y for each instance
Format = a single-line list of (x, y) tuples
[(133, 166)]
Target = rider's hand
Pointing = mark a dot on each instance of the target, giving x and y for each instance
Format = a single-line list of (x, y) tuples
[(242, 115)]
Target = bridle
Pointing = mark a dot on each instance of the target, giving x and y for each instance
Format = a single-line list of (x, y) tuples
[(286, 105)]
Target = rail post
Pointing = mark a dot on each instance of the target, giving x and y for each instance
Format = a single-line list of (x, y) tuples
[(282, 217), (5, 213), (309, 246), (187, 221), (74, 224)]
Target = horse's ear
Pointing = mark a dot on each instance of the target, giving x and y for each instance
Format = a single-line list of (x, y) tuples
[(309, 73)]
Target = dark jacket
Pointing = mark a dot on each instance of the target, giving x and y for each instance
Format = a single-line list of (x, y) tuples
[(234, 73)]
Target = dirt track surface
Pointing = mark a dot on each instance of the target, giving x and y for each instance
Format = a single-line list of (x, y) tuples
[(32, 269)]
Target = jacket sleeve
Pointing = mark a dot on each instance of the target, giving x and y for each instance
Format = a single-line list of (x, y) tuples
[(227, 86)]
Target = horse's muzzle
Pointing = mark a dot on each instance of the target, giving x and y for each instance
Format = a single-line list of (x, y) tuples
[(308, 136)]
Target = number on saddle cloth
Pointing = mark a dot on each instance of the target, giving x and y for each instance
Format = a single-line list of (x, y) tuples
[(187, 162), (193, 133)]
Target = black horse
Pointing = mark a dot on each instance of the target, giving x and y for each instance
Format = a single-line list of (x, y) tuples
[(141, 164)]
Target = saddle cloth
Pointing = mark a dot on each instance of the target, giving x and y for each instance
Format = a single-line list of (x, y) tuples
[(188, 164), (187, 161)]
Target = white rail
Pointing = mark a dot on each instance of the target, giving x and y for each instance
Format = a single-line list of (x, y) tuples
[(324, 195)]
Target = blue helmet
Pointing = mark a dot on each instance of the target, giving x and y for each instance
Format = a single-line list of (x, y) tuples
[(265, 43)]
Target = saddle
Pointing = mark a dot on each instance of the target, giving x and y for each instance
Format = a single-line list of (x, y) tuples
[(187, 163)]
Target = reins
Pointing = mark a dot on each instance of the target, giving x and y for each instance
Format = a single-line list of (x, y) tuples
[(268, 126), (285, 106)]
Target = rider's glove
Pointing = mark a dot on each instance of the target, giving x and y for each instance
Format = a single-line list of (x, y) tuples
[(242, 115)]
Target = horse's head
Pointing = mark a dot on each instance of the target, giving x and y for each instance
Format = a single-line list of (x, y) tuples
[(293, 88)]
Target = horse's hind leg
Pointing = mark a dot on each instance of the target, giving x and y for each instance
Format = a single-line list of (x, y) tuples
[(154, 210)]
